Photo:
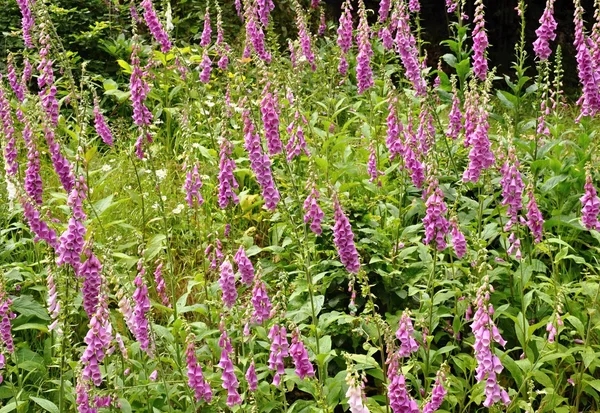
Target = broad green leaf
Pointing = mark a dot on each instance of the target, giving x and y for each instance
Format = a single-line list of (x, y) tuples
[(47, 405)]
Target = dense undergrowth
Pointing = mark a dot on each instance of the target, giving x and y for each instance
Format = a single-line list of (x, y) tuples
[(335, 223)]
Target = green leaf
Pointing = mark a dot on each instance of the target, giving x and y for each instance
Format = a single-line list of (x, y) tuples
[(47, 405), (588, 356), (27, 306)]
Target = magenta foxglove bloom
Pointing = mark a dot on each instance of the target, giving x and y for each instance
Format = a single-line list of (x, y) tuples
[(364, 74), (260, 302), (279, 351), (76, 197), (400, 399), (15, 85), (161, 287), (265, 7), (260, 163), (451, 5), (406, 46), (227, 182), (38, 226), (405, 334), (90, 272), (512, 189), (269, 108), (155, 26), (386, 38), (192, 187), (481, 156), (393, 140), (245, 266), (62, 166), (227, 283), (304, 37), (322, 23), (312, 211), (230, 381), (414, 6), (458, 240), (384, 10), (535, 219), (587, 68), (10, 148), (5, 327), (27, 21), (455, 117), (255, 35), (437, 395), (486, 334), (480, 42), (343, 238), (206, 68), (71, 244), (374, 173), (206, 31), (140, 309), (53, 304), (196, 381), (304, 367), (344, 39), (82, 397), (251, 377), (102, 128), (435, 222), (33, 179), (45, 80), (297, 143), (98, 340), (139, 91), (590, 204), (545, 33)]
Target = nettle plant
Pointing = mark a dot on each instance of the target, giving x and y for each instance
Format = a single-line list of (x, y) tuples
[(325, 225)]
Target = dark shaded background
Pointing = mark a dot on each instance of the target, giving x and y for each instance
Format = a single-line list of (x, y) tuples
[(501, 17)]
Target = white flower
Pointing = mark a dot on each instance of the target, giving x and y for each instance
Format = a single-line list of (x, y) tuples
[(178, 209), (164, 198), (196, 145), (161, 174), (106, 168), (155, 206), (169, 16)]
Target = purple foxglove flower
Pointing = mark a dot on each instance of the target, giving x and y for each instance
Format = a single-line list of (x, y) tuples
[(269, 108), (251, 377), (412, 163), (400, 399), (304, 367), (223, 62), (27, 72), (297, 143), (33, 179), (5, 327), (455, 117), (293, 56), (384, 10), (230, 381), (512, 189), (312, 211), (139, 91), (47, 91), (437, 395), (196, 381), (514, 246), (62, 166), (364, 74), (102, 128), (393, 141), (322, 23), (405, 334), (344, 31), (227, 182), (127, 311), (38, 226), (552, 331), (545, 33), (451, 5), (458, 240), (161, 288), (71, 244), (355, 395), (90, 272), (206, 67), (27, 21), (480, 42), (414, 6), (141, 307), (15, 85), (155, 26), (260, 302), (587, 68), (255, 35), (76, 197), (435, 222), (374, 173), (535, 219), (343, 66), (10, 149), (245, 266), (279, 350), (590, 204), (82, 397), (260, 163), (343, 238), (486, 334), (206, 31), (98, 340), (481, 156), (406, 46), (53, 304), (265, 7), (426, 129), (227, 283), (192, 187), (304, 37), (386, 38)]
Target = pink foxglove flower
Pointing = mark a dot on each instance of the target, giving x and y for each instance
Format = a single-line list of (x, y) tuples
[(590, 203), (192, 187), (265, 7), (38, 226), (587, 68), (374, 173), (480, 156), (206, 31), (384, 10), (196, 380), (406, 46), (343, 238), (480, 42), (10, 148), (140, 310), (435, 222), (512, 189), (255, 35), (227, 182), (535, 219), (45, 80), (245, 266), (139, 91), (458, 240), (304, 367), (206, 68), (312, 211), (33, 179), (393, 140), (71, 244), (279, 350), (297, 143), (486, 334), (269, 108), (98, 340), (260, 302), (364, 74), (355, 395), (437, 395), (322, 23), (405, 334), (27, 21), (102, 128), (400, 399), (53, 304), (545, 33), (15, 85), (62, 166), (304, 37), (161, 287), (251, 377), (155, 26), (455, 117), (230, 381), (90, 271), (414, 6), (227, 283), (6, 315), (344, 39)]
